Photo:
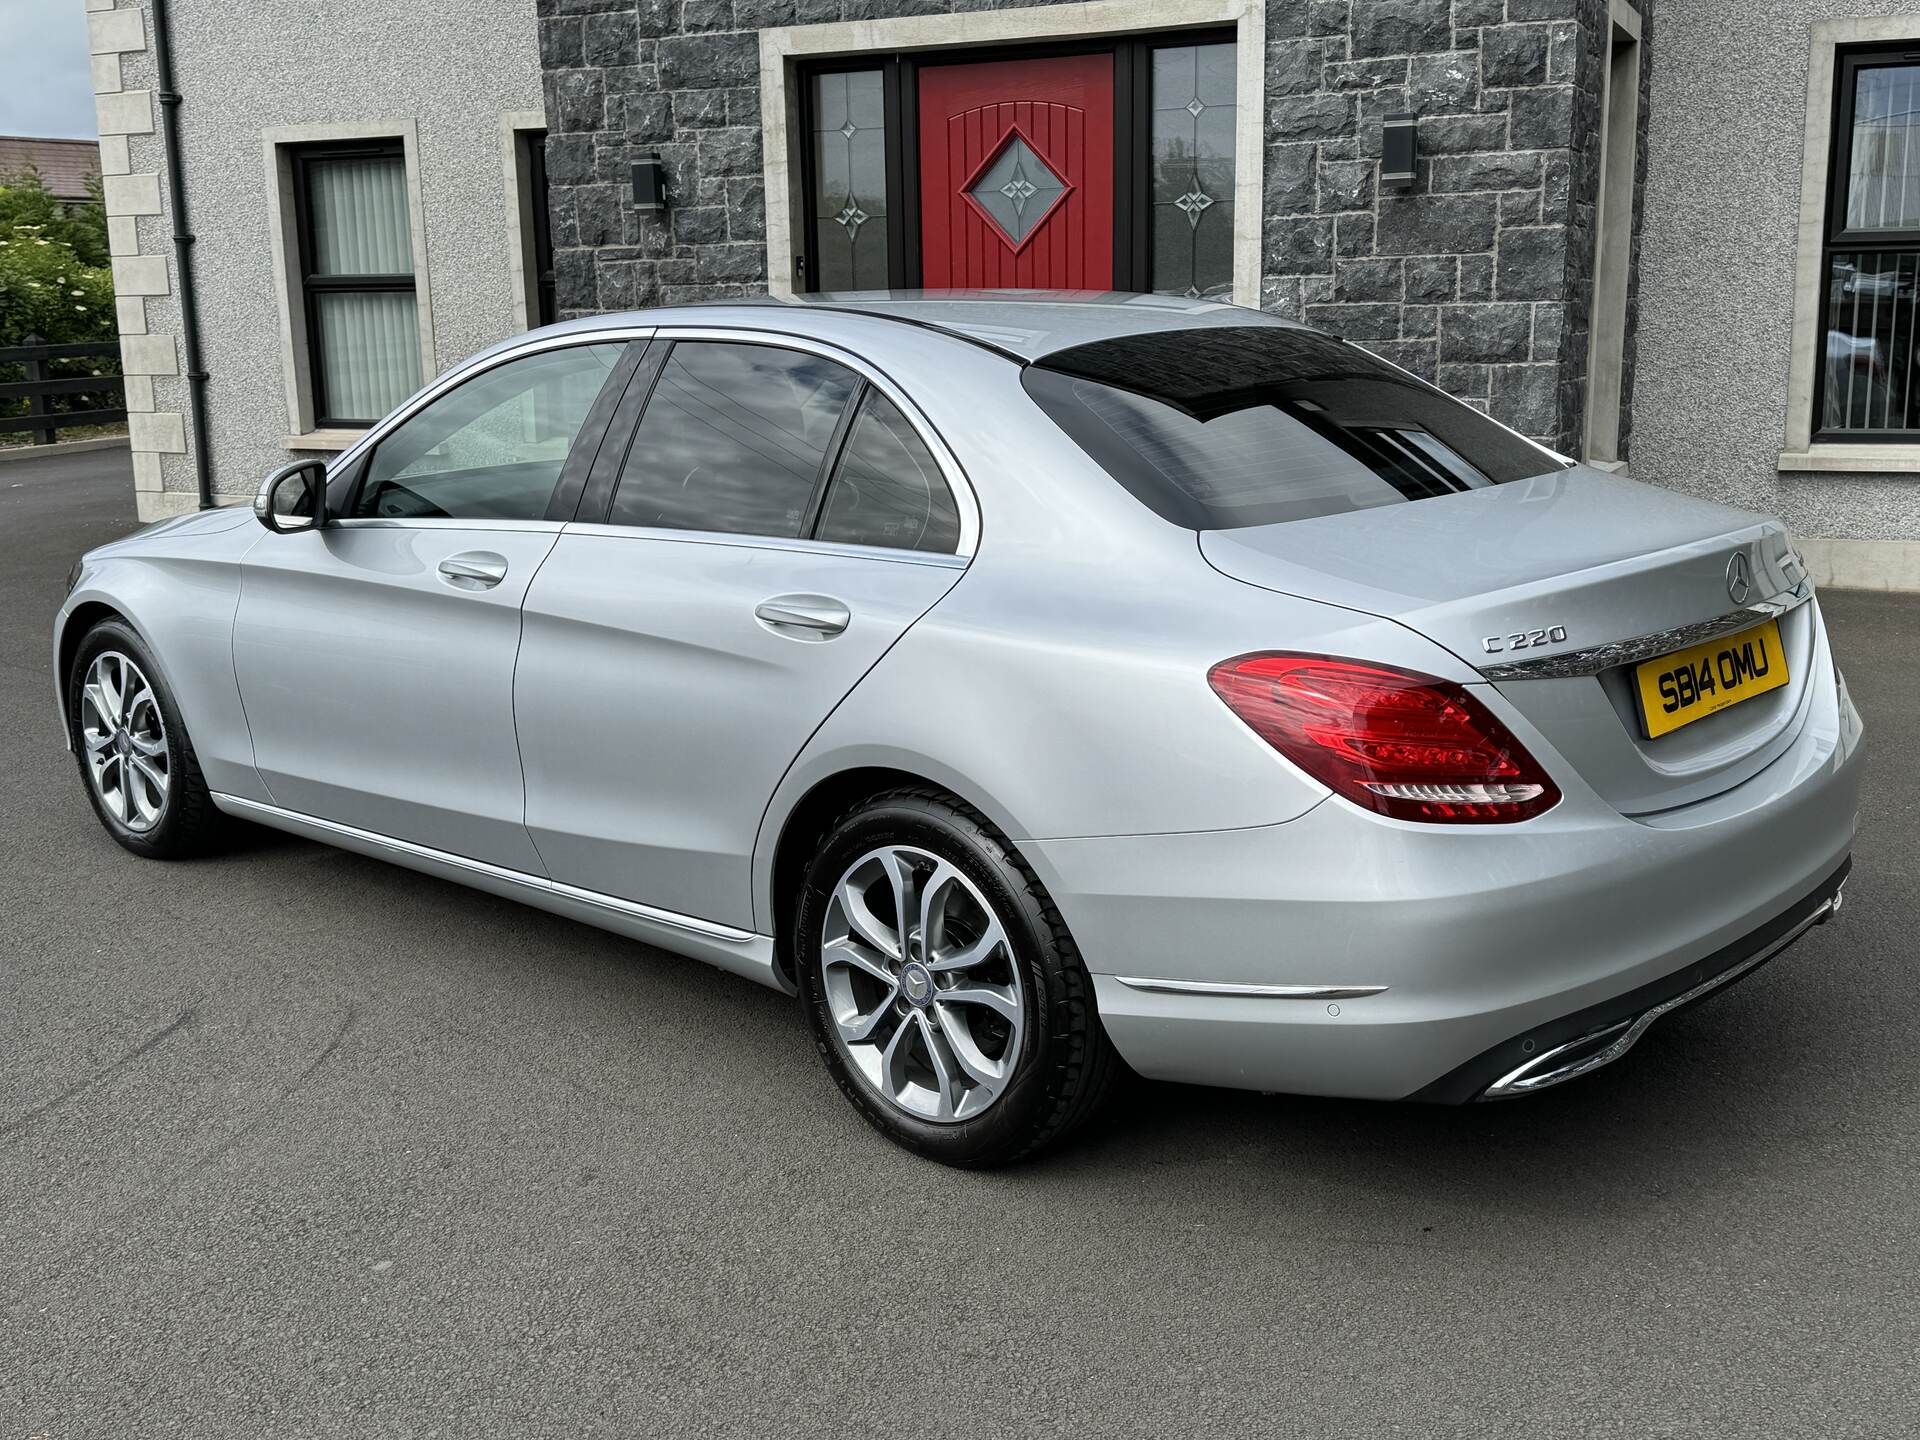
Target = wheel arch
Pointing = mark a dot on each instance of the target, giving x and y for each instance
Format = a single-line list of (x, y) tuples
[(79, 622), (804, 823)]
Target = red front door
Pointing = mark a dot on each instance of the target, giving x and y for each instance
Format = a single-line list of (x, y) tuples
[(1016, 174)]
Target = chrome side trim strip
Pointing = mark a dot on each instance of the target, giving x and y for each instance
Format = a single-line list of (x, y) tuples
[(430, 522), (1250, 992), (1596, 658), (935, 559), (653, 915), (631, 909), (1542, 1071)]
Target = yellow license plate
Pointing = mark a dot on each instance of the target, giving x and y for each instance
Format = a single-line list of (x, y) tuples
[(1703, 680)]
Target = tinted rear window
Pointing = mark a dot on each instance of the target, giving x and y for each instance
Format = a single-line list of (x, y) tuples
[(1223, 428)]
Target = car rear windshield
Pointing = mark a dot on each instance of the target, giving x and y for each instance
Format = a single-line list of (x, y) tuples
[(1215, 429)]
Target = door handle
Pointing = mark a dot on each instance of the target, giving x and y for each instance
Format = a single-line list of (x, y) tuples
[(475, 570), (803, 617)]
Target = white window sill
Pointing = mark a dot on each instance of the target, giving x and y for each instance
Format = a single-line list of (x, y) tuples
[(333, 441), (1856, 459)]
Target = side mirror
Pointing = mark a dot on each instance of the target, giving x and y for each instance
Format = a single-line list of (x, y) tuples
[(293, 498)]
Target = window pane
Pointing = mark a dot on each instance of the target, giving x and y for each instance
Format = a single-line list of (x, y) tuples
[(1220, 428), (732, 440), (492, 448), (887, 490), (1193, 144), (369, 351), (1883, 177), (358, 211), (849, 182), (1869, 346)]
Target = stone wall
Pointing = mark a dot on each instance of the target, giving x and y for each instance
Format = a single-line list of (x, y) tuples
[(1465, 279)]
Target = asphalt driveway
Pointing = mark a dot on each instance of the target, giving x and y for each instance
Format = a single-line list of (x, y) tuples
[(295, 1143)]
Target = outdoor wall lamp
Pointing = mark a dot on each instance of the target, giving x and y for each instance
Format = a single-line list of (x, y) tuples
[(1399, 151), (649, 182)]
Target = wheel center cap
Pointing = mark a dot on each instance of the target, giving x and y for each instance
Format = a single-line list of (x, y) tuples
[(122, 744), (916, 982)]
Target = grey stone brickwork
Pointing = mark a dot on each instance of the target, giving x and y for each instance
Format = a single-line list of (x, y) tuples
[(1478, 278)]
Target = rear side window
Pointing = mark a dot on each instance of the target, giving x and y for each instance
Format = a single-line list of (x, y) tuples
[(733, 439), (886, 488), (1215, 429)]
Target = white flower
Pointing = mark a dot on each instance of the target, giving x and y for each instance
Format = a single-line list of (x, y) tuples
[(76, 292), (81, 308)]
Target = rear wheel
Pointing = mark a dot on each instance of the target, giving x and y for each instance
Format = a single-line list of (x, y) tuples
[(135, 757), (944, 992)]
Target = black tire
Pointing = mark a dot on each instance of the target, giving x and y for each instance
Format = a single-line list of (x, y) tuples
[(1066, 1064), (187, 824)]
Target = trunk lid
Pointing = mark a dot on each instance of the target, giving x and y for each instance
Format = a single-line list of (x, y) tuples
[(1526, 581)]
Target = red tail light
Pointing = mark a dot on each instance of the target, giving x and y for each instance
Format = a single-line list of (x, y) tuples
[(1405, 745)]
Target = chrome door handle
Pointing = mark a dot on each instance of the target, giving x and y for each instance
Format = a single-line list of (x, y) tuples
[(475, 570), (803, 617)]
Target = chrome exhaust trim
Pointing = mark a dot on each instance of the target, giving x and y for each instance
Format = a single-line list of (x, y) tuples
[(1607, 1044)]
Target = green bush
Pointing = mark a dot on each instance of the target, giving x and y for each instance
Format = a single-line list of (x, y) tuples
[(25, 200), (54, 277), (55, 283)]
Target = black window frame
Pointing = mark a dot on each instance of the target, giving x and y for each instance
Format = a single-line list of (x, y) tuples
[(1132, 145), (312, 286), (597, 496), (532, 148), (1836, 238)]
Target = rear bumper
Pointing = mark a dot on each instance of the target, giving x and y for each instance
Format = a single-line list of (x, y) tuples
[(1580, 1043), (1401, 961)]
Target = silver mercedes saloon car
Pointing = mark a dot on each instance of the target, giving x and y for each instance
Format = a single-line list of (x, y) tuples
[(1029, 684)]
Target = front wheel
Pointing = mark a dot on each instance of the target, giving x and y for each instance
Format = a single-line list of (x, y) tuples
[(944, 992), (135, 757)]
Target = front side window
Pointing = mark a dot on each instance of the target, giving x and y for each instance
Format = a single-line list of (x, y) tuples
[(491, 449), (357, 281), (1872, 252), (733, 439), (1215, 429)]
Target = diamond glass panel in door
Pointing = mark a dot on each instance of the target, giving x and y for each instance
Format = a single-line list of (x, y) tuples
[(369, 340), (850, 182), (1192, 169), (1017, 189)]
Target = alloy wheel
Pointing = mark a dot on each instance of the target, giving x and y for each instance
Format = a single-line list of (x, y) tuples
[(125, 738), (922, 984)]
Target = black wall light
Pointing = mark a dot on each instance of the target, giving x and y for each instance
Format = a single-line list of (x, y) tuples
[(1399, 151), (649, 182)]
